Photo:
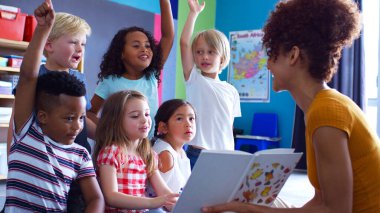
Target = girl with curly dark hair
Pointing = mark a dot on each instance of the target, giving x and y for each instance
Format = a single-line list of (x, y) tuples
[(134, 61), (304, 40)]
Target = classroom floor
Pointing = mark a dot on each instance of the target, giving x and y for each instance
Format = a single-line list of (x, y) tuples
[(296, 191)]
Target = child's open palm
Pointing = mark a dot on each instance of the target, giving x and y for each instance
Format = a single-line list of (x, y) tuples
[(195, 6), (45, 14)]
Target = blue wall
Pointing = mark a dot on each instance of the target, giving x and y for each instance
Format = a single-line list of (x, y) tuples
[(251, 15)]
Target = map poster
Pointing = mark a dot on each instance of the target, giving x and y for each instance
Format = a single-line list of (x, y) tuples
[(247, 70)]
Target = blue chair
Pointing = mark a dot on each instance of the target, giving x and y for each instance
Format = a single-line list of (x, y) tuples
[(264, 134)]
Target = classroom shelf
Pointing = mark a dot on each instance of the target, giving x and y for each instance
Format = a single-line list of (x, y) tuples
[(15, 45), (10, 69)]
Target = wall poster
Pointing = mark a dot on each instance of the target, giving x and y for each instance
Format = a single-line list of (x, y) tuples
[(247, 70)]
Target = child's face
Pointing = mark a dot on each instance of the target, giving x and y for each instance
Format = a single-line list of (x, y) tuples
[(66, 51), (137, 54), (137, 121), (65, 121), (207, 59), (181, 127)]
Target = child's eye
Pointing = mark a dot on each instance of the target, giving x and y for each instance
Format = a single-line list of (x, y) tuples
[(179, 119), (147, 46), (147, 114), (82, 117), (83, 44), (199, 52), (70, 118)]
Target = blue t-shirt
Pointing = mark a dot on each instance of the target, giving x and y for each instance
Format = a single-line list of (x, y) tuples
[(148, 87)]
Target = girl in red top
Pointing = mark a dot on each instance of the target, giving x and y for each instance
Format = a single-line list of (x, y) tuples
[(125, 159)]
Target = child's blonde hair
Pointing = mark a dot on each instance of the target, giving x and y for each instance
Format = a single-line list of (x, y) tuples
[(66, 23), (110, 129), (216, 40)]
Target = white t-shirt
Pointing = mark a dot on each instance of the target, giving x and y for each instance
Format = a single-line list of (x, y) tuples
[(216, 103), (177, 177)]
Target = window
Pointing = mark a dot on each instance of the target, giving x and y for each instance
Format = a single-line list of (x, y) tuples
[(371, 11)]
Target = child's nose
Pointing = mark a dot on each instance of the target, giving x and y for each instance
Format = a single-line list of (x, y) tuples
[(77, 124), (145, 49), (188, 123), (145, 119), (79, 48)]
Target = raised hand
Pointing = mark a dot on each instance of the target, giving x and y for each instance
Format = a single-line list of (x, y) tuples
[(45, 14), (195, 6)]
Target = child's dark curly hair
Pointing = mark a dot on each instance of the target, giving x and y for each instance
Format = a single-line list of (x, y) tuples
[(112, 64), (320, 28), (54, 83)]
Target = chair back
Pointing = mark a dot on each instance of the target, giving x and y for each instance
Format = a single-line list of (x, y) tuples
[(265, 124)]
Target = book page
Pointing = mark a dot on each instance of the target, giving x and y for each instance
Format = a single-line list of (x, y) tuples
[(212, 180), (275, 151), (265, 177)]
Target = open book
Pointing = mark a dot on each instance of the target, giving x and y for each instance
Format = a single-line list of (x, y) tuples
[(223, 176)]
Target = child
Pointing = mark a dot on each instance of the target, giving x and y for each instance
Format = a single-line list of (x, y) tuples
[(125, 159), (216, 102), (133, 61), (64, 50), (175, 126), (48, 115), (342, 151)]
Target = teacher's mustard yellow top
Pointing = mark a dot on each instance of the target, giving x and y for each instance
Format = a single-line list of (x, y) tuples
[(331, 108)]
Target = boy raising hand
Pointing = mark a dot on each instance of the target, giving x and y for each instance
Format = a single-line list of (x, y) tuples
[(48, 115)]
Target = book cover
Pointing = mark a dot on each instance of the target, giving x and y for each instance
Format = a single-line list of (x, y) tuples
[(222, 176)]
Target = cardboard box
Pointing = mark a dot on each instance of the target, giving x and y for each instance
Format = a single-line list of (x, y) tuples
[(12, 25)]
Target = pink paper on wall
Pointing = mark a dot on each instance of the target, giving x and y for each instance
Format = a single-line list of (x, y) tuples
[(157, 36)]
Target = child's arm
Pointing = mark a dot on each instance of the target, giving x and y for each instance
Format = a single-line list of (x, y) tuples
[(162, 190), (167, 29), (26, 88), (96, 104), (92, 194), (10, 132), (186, 52), (91, 128), (165, 161), (108, 183)]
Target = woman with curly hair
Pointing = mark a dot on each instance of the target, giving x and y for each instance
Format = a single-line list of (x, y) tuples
[(133, 61), (304, 40)]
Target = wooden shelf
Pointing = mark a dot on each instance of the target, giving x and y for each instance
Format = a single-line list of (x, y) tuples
[(2, 96), (3, 125), (10, 69), (15, 45)]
